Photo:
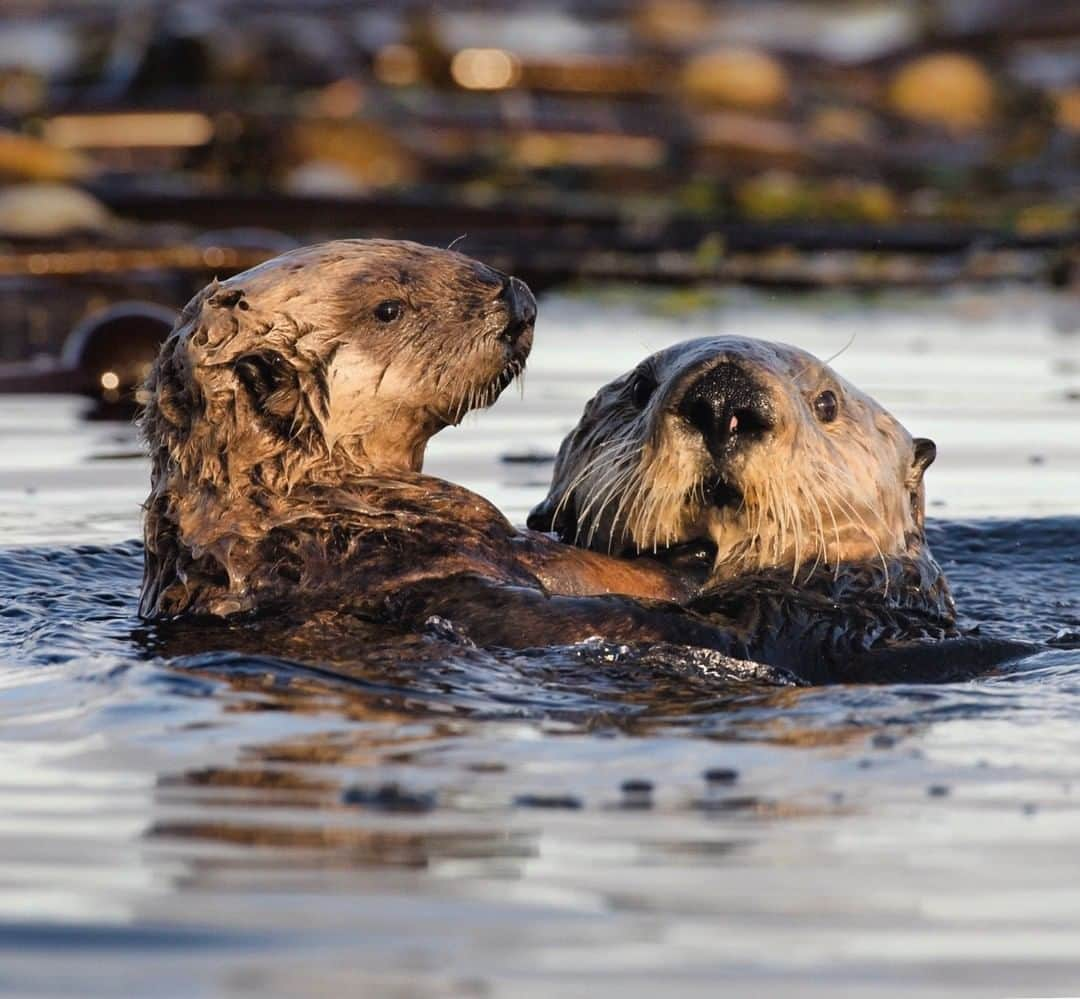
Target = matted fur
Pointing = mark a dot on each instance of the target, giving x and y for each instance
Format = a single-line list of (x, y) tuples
[(282, 385), (287, 423)]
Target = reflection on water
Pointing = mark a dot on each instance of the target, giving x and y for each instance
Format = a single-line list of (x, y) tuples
[(238, 810)]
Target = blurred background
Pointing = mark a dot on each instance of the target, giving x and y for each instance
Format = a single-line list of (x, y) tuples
[(146, 147)]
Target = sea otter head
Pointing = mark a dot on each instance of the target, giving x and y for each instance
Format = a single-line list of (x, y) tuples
[(757, 447), (346, 355), (324, 364)]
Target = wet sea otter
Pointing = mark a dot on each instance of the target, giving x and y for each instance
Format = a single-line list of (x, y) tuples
[(807, 495), (287, 416)]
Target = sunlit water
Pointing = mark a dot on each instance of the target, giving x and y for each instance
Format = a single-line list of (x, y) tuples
[(236, 824)]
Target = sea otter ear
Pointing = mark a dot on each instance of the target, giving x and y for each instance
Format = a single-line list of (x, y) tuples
[(925, 453), (273, 385)]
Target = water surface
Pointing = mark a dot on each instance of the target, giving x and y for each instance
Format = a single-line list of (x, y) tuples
[(178, 822)]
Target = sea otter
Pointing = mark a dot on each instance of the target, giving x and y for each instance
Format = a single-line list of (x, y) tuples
[(287, 416), (794, 500)]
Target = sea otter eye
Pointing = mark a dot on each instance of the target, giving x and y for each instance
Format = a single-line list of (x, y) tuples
[(641, 390), (826, 406), (388, 311)]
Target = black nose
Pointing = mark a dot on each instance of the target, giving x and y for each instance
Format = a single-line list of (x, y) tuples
[(522, 306), (728, 407)]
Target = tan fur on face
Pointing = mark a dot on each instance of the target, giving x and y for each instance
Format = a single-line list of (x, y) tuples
[(632, 479), (284, 378)]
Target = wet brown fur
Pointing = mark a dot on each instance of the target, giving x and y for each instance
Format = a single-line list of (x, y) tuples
[(287, 429), (287, 425)]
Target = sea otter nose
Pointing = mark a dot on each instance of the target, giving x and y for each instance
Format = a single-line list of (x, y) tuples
[(522, 308), (728, 407)]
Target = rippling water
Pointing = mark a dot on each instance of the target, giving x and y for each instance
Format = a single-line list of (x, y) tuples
[(180, 820)]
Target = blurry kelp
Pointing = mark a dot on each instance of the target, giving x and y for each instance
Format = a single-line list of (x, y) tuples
[(787, 145)]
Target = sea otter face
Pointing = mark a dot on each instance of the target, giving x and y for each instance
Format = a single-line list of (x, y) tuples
[(334, 359), (757, 447)]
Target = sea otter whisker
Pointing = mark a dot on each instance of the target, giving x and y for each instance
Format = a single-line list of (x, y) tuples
[(645, 510), (632, 492), (635, 512), (598, 460), (827, 502), (642, 511), (780, 498), (463, 407), (564, 499), (772, 516), (618, 520), (876, 514), (696, 495), (661, 501), (578, 478), (617, 489), (797, 532), (590, 466), (818, 535), (657, 504), (612, 471), (672, 520), (813, 501), (755, 503), (795, 523), (481, 396), (814, 362), (626, 484), (810, 527), (764, 518), (616, 480), (593, 510), (842, 350), (844, 502), (652, 524), (602, 456)]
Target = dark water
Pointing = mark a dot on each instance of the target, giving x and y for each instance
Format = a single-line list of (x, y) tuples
[(238, 812), (219, 812), (1015, 579)]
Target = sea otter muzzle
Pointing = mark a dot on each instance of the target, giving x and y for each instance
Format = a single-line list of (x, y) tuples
[(521, 306), (728, 407)]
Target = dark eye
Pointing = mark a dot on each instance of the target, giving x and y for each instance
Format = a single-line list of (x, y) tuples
[(388, 311), (641, 390), (826, 406)]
